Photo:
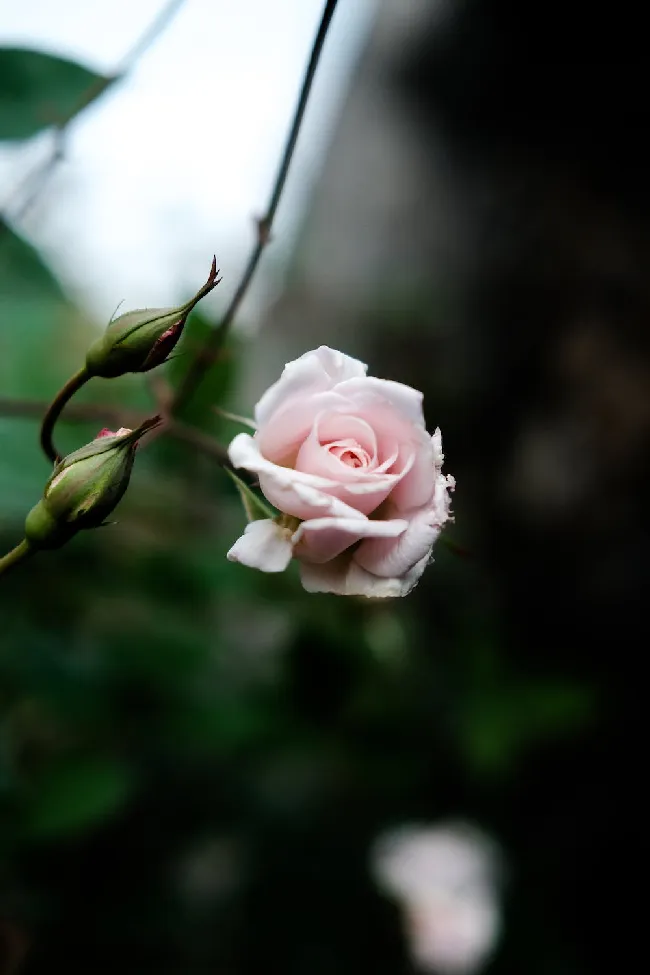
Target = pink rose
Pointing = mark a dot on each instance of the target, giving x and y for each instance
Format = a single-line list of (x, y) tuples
[(348, 459)]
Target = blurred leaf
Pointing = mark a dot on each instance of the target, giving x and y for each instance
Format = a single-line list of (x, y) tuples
[(507, 715), (254, 506), (21, 266), (75, 794), (219, 380), (38, 90), (225, 729), (37, 351)]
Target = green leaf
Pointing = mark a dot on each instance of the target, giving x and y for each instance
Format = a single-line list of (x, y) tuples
[(256, 509), (41, 338), (38, 90), (76, 794), (22, 272)]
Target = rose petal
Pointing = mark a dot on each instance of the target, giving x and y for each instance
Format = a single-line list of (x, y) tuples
[(344, 577), (313, 372), (361, 487), (388, 557), (329, 427), (390, 452), (322, 539), (415, 445), (314, 457), (293, 420), (365, 488), (394, 557), (280, 440), (417, 487), (264, 545), (292, 492), (403, 399), (436, 443), (339, 366)]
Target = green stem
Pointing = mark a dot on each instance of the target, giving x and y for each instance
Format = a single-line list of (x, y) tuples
[(17, 555), (55, 408)]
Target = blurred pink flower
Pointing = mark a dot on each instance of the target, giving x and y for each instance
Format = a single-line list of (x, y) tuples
[(444, 878)]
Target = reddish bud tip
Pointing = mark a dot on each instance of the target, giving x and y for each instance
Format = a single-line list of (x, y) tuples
[(163, 346), (112, 433)]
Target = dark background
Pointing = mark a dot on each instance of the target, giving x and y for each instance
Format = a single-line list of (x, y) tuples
[(195, 760)]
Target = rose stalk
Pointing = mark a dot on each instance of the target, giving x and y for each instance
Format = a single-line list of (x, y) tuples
[(346, 460)]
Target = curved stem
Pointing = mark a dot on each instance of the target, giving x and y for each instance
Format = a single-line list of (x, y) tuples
[(17, 555), (208, 354), (54, 411)]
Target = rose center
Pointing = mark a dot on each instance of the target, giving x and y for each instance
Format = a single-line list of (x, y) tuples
[(350, 453)]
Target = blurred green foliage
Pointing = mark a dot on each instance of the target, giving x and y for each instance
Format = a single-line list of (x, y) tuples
[(37, 340), (38, 90), (194, 758)]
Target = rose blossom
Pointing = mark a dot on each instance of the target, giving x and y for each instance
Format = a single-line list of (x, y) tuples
[(347, 458)]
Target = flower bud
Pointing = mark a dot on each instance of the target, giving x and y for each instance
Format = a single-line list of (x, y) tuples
[(85, 487), (141, 340)]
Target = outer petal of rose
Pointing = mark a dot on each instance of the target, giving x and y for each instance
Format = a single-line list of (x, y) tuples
[(264, 545), (404, 399), (389, 557), (339, 366), (313, 372), (322, 539), (292, 492), (436, 442), (344, 577)]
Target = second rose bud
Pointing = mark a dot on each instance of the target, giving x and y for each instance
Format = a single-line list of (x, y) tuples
[(85, 487)]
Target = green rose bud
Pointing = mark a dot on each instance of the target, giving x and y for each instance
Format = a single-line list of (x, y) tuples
[(141, 340), (85, 487)]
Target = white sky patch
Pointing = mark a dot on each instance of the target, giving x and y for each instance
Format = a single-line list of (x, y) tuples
[(173, 164)]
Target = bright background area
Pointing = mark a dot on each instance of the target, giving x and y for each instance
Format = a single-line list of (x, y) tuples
[(173, 164)]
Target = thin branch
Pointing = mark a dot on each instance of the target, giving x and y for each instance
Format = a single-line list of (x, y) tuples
[(73, 413), (208, 354), (150, 35), (32, 186), (116, 416)]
